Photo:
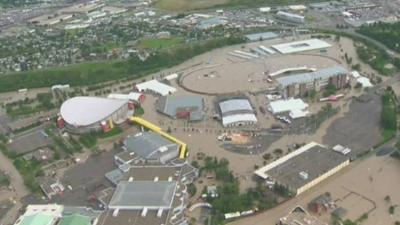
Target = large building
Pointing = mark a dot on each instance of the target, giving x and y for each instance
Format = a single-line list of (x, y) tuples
[(148, 147), (86, 114), (181, 107), (301, 46), (301, 84), (237, 112), (304, 168), (148, 194), (139, 195), (53, 214), (290, 17)]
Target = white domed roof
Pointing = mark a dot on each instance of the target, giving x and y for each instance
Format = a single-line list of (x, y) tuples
[(84, 111)]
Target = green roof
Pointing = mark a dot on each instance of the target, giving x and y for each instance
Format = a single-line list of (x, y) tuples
[(75, 219), (37, 219)]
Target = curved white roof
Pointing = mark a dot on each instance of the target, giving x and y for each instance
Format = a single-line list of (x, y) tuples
[(84, 111), (226, 120), (235, 105)]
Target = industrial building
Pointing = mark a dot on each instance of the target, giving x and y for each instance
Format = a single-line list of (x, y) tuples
[(290, 17), (181, 107), (237, 112), (150, 147), (301, 46), (300, 84), (304, 168), (85, 114)]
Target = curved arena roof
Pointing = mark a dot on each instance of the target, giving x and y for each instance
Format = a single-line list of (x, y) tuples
[(84, 111), (232, 105)]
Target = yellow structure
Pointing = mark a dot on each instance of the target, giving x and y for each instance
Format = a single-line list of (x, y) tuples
[(183, 146), (111, 123)]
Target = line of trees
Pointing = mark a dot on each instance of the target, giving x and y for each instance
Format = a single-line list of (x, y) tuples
[(389, 110), (386, 33), (94, 73)]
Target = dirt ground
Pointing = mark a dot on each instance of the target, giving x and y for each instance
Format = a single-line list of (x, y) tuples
[(359, 188), (246, 75)]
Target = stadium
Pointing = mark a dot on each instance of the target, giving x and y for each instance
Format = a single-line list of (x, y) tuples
[(86, 114)]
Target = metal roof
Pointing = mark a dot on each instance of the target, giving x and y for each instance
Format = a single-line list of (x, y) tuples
[(84, 110), (149, 145), (172, 104), (310, 77), (143, 194), (312, 159), (232, 105)]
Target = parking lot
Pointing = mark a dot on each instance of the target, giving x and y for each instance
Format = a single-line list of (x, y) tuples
[(359, 128)]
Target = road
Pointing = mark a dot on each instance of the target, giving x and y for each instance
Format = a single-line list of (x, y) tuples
[(19, 188)]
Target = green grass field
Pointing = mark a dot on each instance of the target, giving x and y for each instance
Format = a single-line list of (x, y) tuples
[(160, 43)]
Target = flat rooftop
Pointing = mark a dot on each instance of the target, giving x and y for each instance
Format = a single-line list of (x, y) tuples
[(143, 194), (312, 159), (147, 173), (299, 46)]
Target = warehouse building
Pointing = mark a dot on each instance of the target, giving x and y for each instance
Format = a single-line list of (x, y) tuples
[(85, 114), (150, 147), (237, 112), (301, 84), (304, 168), (290, 17), (181, 107)]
